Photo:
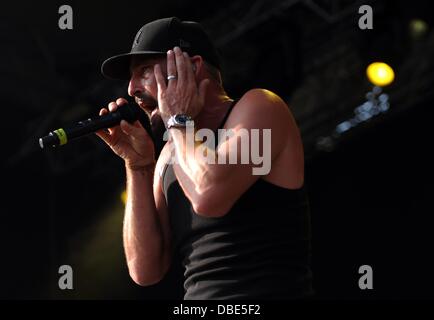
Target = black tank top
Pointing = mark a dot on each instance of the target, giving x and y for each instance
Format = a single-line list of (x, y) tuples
[(260, 249)]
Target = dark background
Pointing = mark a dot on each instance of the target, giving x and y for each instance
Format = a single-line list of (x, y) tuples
[(369, 188)]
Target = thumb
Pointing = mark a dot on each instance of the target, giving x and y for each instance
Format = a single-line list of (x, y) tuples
[(128, 128)]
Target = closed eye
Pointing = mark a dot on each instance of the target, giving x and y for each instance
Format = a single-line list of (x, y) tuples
[(145, 68)]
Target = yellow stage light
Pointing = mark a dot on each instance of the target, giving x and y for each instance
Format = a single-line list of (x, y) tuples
[(124, 197), (380, 74), (418, 28)]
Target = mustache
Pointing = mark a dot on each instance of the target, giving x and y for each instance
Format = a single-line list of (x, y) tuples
[(148, 100)]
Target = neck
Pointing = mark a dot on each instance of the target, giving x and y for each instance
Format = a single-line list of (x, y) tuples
[(216, 105)]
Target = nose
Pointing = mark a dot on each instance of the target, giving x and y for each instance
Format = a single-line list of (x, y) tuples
[(134, 86)]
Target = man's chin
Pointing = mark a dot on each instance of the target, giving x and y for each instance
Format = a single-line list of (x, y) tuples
[(148, 107)]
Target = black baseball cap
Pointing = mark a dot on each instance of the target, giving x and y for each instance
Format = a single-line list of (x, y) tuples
[(156, 38)]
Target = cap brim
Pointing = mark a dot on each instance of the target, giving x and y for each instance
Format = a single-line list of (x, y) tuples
[(118, 67)]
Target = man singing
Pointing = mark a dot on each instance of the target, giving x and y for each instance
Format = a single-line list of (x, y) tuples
[(242, 233)]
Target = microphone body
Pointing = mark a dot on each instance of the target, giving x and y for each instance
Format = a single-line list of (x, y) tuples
[(128, 112)]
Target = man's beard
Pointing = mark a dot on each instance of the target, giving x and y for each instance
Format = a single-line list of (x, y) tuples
[(150, 106), (146, 102)]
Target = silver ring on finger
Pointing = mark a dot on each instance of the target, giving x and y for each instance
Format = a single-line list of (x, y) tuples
[(171, 77)]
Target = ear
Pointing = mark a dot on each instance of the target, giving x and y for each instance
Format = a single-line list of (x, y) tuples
[(197, 63)]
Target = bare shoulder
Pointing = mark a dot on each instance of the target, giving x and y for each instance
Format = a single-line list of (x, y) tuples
[(262, 102), (288, 160), (264, 96), (261, 108)]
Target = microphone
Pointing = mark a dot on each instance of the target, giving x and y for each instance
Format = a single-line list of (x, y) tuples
[(129, 112)]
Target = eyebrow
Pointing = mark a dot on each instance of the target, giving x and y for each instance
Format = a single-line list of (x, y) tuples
[(140, 65), (138, 62)]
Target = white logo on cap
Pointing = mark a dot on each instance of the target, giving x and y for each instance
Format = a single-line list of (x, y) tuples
[(136, 39)]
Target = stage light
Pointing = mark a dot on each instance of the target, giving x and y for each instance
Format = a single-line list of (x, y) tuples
[(124, 197), (380, 74), (418, 28)]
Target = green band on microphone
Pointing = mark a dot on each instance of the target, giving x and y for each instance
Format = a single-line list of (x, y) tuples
[(62, 136)]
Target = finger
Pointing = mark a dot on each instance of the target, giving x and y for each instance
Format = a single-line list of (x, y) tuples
[(189, 68), (134, 130), (137, 124), (121, 101), (161, 84), (171, 69), (112, 130), (180, 66), (112, 106), (103, 111), (105, 136)]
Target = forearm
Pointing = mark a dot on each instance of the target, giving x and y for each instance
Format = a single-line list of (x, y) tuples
[(197, 161), (142, 230), (214, 178)]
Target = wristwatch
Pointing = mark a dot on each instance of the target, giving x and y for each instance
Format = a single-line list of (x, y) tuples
[(178, 121)]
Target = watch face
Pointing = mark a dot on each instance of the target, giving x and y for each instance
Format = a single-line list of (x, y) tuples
[(181, 118), (178, 120)]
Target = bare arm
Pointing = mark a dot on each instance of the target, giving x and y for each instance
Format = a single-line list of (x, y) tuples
[(146, 228), (213, 188)]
